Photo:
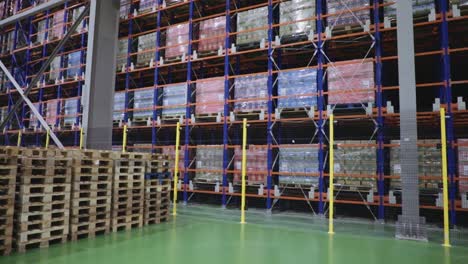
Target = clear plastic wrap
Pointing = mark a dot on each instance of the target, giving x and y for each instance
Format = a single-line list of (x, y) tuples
[(212, 33), (252, 19), (42, 28), (463, 165), (420, 7), (125, 6), (170, 151), (58, 22), (74, 64), (51, 112), (209, 158), (146, 43), (256, 164), (249, 87), (429, 163), (298, 160), (174, 100), (3, 80), (3, 113), (33, 121), (210, 96), (3, 9), (342, 15), (70, 111), (351, 83), (122, 54), (75, 14), (177, 38), (293, 11), (147, 5), (55, 68), (354, 159), (295, 84), (142, 104), (119, 106)]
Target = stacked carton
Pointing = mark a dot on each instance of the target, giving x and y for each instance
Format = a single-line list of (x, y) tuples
[(70, 111), (74, 64)]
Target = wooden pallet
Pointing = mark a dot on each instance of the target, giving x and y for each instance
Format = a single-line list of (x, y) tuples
[(42, 209), (91, 194)]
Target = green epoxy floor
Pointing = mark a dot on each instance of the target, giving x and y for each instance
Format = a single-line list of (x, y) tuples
[(210, 235)]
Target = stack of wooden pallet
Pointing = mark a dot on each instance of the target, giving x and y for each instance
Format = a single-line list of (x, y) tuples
[(42, 207), (128, 190), (157, 189), (8, 168), (91, 193)]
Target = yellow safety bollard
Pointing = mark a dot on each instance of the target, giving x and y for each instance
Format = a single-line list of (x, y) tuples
[(47, 139), (20, 135), (124, 141), (176, 170), (81, 138), (444, 178), (332, 174), (244, 166)]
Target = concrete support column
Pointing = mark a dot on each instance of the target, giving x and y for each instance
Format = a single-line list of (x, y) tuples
[(410, 225), (98, 96)]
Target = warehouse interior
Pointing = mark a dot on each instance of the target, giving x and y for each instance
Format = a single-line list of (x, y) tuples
[(242, 130)]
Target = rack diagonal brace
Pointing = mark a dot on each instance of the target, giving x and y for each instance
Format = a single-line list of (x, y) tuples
[(33, 108), (36, 78)]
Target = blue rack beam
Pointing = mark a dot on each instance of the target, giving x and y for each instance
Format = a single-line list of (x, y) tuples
[(320, 102), (227, 44), (154, 132)]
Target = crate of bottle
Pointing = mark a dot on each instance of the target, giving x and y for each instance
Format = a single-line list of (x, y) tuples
[(256, 166), (119, 106), (248, 88), (463, 165), (209, 162), (174, 100), (429, 163), (212, 33), (210, 96), (355, 163), (294, 161), (351, 83), (250, 20), (177, 38), (74, 64), (146, 46), (341, 16), (70, 111), (143, 104), (420, 8), (297, 88), (295, 10)]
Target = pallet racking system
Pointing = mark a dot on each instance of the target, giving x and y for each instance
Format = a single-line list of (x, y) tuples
[(333, 44)]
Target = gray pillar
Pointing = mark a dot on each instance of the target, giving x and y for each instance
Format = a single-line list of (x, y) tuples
[(98, 95), (410, 225)]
